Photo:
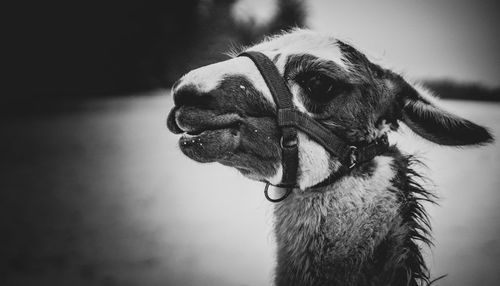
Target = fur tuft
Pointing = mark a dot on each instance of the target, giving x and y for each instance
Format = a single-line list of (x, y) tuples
[(415, 218)]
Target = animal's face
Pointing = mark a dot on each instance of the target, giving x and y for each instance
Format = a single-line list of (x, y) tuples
[(226, 112)]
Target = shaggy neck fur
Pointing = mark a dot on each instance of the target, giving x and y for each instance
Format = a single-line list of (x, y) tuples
[(361, 230)]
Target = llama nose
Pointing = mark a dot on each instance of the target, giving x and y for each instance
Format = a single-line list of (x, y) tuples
[(190, 95)]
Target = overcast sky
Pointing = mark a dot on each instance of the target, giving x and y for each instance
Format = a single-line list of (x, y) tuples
[(454, 39)]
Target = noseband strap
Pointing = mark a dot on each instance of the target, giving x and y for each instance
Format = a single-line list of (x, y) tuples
[(283, 99), (290, 119)]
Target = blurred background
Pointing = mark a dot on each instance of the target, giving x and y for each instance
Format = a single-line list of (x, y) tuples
[(94, 190)]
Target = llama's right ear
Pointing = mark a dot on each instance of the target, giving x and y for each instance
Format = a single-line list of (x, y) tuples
[(435, 124)]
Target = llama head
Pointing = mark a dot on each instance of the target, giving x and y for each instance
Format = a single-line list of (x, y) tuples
[(226, 112)]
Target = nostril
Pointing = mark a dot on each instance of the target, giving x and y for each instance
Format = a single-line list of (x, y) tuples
[(189, 95)]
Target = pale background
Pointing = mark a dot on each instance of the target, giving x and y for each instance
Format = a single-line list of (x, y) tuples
[(456, 39)]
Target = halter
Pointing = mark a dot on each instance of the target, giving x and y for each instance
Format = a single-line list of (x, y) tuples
[(290, 119)]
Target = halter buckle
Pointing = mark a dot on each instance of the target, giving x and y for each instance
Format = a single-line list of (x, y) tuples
[(353, 156), (289, 143)]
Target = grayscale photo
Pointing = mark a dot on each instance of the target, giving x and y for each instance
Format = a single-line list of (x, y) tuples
[(251, 143)]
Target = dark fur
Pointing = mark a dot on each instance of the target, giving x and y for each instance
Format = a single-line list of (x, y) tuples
[(415, 271)]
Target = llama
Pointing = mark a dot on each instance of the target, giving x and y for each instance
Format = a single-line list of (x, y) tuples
[(363, 226)]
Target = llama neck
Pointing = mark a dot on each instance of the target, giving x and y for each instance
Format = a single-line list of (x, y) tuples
[(350, 233)]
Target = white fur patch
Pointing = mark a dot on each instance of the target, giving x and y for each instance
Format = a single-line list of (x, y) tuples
[(314, 162), (205, 79), (301, 41), (277, 177), (380, 181), (208, 78), (295, 89)]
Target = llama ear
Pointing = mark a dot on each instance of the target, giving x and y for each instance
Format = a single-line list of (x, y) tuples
[(436, 124)]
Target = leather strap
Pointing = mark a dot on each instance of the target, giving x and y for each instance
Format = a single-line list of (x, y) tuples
[(319, 133), (283, 99), (290, 119)]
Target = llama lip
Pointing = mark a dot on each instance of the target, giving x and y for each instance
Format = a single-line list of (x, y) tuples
[(210, 145), (194, 121), (171, 124), (206, 135), (194, 132)]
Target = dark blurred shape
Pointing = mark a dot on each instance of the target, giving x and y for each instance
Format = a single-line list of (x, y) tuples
[(465, 91), (290, 14), (87, 49)]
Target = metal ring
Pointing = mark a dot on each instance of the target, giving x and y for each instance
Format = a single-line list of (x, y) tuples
[(290, 144), (266, 194)]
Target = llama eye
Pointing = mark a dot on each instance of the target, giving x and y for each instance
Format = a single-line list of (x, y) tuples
[(319, 88)]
